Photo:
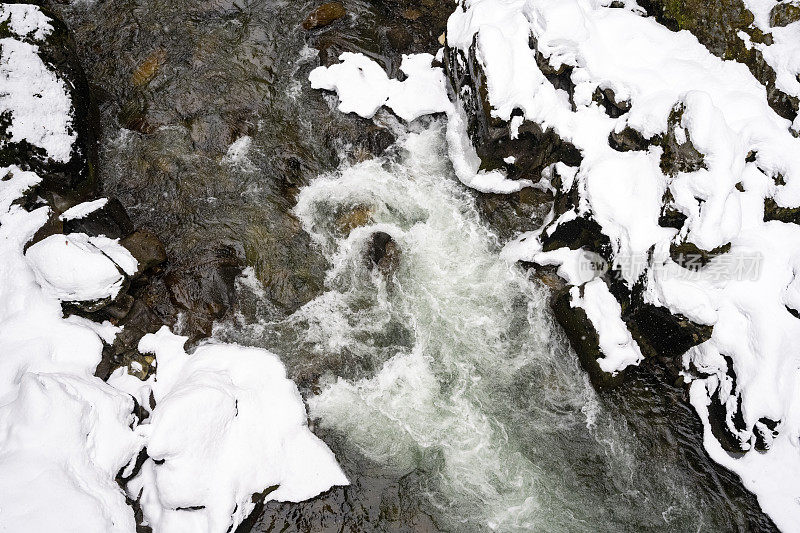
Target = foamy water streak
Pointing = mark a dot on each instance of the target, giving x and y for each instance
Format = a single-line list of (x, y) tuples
[(471, 383)]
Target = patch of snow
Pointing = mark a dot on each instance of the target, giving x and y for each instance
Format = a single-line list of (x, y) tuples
[(36, 99), (618, 346), (24, 19), (83, 210), (363, 87)]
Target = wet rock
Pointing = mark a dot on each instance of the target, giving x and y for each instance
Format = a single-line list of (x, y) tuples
[(324, 15), (356, 217), (146, 248), (512, 214), (383, 252), (784, 13), (204, 289), (148, 68), (661, 334), (111, 220)]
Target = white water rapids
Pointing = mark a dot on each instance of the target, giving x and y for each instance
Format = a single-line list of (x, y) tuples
[(455, 370)]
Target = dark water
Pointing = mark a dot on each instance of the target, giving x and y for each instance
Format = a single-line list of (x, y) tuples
[(447, 394)]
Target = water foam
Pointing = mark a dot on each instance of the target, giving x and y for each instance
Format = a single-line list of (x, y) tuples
[(456, 369)]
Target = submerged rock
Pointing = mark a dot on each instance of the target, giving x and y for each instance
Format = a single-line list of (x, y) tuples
[(324, 15)]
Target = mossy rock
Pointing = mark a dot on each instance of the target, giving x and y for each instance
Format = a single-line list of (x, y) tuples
[(717, 25), (784, 14), (772, 211), (691, 257)]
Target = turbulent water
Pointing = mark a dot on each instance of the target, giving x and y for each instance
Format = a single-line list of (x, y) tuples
[(455, 371), (444, 387)]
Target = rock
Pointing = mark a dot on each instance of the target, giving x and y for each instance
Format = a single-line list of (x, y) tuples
[(533, 149), (383, 252), (324, 15), (784, 13), (356, 217), (204, 290), (110, 220), (146, 248), (607, 99), (628, 139), (679, 156), (772, 211), (75, 173), (148, 69), (691, 257), (583, 338)]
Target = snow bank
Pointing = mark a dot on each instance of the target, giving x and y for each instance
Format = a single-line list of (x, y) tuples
[(227, 425), (64, 434)]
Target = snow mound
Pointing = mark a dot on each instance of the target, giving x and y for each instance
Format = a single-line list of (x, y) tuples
[(77, 267), (227, 425)]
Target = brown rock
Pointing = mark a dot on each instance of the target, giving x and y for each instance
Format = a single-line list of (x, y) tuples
[(324, 15), (146, 248), (149, 68)]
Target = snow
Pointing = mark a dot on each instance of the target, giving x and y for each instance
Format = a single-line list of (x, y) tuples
[(363, 87), (618, 347), (227, 424), (64, 433), (35, 97), (83, 209), (77, 267), (24, 19)]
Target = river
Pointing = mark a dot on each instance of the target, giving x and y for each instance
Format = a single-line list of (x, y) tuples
[(442, 383)]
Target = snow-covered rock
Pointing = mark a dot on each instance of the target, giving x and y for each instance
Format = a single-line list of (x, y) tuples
[(78, 268), (228, 426)]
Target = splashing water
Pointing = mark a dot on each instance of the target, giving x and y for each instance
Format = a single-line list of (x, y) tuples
[(452, 367)]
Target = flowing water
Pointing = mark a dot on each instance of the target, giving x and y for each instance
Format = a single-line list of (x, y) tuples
[(441, 382)]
